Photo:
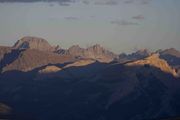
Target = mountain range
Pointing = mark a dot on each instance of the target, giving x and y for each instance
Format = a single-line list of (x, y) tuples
[(41, 81)]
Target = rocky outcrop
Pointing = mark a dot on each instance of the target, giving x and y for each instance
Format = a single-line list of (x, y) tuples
[(49, 69)]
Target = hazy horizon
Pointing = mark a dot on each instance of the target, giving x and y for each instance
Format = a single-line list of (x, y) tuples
[(119, 25)]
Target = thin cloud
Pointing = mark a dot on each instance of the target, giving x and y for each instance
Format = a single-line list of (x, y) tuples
[(51, 5), (107, 2), (138, 17), (111, 2), (26, 1), (128, 1), (71, 18), (137, 1), (145, 1), (86, 2), (124, 23), (64, 3)]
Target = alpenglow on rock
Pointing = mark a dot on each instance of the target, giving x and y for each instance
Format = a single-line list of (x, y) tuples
[(37, 43), (155, 61)]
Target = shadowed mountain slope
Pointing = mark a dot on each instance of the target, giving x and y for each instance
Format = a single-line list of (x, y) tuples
[(9, 58), (3, 51), (172, 56), (30, 59), (77, 70)]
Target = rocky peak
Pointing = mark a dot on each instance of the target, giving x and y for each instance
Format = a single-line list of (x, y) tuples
[(74, 47), (140, 54), (29, 42), (122, 55), (171, 51), (96, 48), (76, 51), (56, 48), (143, 52), (95, 52), (154, 61)]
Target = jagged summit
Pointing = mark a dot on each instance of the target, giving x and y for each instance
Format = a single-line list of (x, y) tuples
[(143, 52), (95, 47), (171, 51), (140, 54), (155, 61), (96, 52), (30, 42), (75, 50), (98, 49)]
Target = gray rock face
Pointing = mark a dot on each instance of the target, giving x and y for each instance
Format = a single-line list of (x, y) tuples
[(33, 43), (144, 52), (172, 56), (140, 54), (94, 52), (171, 51), (3, 51)]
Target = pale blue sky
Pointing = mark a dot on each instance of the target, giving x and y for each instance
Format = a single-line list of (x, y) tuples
[(119, 25)]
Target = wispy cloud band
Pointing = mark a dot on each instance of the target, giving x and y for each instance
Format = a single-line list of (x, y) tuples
[(124, 22), (26, 1)]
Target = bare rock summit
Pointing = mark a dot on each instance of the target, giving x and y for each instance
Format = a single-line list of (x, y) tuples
[(30, 42)]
